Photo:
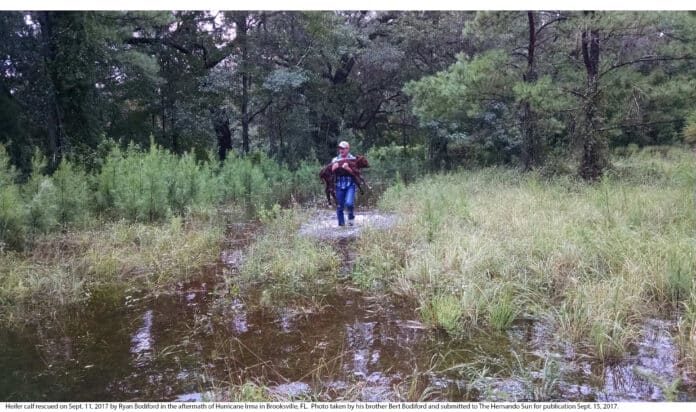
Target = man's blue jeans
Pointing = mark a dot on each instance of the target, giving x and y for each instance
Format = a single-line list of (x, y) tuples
[(345, 198)]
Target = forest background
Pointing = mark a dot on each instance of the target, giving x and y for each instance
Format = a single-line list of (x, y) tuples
[(82, 92)]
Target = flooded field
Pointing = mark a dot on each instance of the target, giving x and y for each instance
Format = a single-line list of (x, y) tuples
[(192, 343)]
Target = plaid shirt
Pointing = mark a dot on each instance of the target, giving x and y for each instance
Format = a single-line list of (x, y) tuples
[(343, 181)]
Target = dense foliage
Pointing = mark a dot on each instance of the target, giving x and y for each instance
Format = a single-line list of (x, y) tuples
[(141, 186), (472, 87), (269, 94)]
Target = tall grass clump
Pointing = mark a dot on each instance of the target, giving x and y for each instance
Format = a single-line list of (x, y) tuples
[(288, 266), (443, 311), (502, 310), (590, 260), (64, 269), (150, 255), (680, 270), (686, 339), (374, 269)]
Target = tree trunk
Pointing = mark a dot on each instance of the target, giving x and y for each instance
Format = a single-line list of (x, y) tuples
[(330, 125), (594, 147), (224, 136), (530, 149), (404, 135), (175, 137), (242, 31), (245, 113), (163, 113), (56, 137), (274, 126)]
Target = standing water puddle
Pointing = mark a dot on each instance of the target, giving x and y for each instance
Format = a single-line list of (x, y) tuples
[(197, 340), (323, 225)]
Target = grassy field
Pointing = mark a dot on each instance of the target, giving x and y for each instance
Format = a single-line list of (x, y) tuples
[(477, 250), (105, 263), (144, 220)]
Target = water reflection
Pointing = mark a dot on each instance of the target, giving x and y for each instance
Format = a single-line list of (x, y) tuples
[(643, 375), (238, 320), (360, 339), (141, 341), (359, 344)]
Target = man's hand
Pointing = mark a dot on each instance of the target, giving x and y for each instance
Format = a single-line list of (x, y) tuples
[(334, 166), (345, 166)]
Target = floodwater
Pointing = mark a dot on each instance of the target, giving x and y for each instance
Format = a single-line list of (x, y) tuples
[(324, 225), (192, 343)]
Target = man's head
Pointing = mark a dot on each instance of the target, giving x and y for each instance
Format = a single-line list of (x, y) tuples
[(343, 147)]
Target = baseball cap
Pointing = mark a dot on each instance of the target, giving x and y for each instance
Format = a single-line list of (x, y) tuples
[(344, 144)]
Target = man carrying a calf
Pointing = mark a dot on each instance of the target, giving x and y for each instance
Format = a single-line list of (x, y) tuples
[(345, 183)]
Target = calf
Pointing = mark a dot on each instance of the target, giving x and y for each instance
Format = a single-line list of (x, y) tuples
[(329, 179)]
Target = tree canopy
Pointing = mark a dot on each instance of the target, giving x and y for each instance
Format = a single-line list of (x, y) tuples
[(480, 88)]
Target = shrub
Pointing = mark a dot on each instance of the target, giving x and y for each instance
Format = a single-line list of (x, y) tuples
[(71, 193), (40, 198), (12, 209), (106, 182), (689, 132), (388, 162)]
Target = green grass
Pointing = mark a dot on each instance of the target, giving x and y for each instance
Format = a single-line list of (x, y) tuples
[(686, 338), (502, 310), (285, 266), (69, 268), (592, 260), (443, 311)]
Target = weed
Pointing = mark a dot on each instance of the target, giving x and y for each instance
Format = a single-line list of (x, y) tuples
[(502, 311), (442, 311)]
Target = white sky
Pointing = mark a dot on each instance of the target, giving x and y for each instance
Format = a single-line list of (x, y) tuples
[(347, 5)]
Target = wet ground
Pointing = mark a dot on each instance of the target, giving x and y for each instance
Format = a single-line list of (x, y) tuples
[(324, 224), (199, 337)]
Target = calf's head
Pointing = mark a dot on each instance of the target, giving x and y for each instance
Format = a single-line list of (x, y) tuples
[(361, 162)]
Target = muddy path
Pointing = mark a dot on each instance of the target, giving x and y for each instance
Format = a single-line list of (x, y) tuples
[(199, 338)]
